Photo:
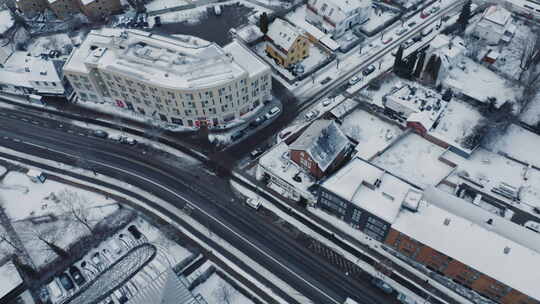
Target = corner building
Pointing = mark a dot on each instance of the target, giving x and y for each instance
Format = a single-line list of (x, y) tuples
[(181, 79)]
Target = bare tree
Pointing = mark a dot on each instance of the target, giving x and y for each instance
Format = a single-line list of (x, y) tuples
[(48, 234), (529, 54), (76, 207), (224, 294)]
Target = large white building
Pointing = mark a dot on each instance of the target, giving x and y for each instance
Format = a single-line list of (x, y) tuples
[(495, 25), (182, 79), (335, 17)]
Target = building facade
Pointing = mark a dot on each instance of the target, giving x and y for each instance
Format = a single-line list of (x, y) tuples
[(335, 17), (184, 81), (286, 44), (99, 9)]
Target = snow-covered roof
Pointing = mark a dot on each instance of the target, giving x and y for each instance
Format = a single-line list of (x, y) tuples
[(20, 70), (282, 33), (497, 14), (174, 62), (6, 21), (323, 140), (249, 62), (357, 182), (338, 10), (453, 226), (9, 278), (165, 289), (249, 33)]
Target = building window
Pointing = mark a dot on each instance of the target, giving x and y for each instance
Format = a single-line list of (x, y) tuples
[(163, 117), (356, 215), (177, 121)]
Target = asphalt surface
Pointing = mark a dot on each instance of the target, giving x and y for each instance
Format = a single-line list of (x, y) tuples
[(303, 270)]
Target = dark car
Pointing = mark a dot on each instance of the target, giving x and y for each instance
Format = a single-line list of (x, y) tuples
[(66, 282), (135, 232), (258, 121), (255, 153), (100, 134), (77, 275), (368, 70), (417, 38), (157, 21), (326, 80)]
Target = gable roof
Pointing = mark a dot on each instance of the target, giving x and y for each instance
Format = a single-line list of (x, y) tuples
[(323, 140), (282, 33)]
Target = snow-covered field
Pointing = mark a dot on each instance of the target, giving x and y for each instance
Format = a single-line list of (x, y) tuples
[(215, 287), (416, 160), (372, 133), (457, 121), (23, 198)]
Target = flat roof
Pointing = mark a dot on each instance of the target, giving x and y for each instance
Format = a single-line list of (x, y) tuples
[(384, 201), (507, 250), (9, 278), (250, 62)]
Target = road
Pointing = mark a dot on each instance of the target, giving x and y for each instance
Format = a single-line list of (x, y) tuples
[(304, 271)]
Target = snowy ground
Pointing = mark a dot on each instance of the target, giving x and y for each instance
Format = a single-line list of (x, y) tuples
[(213, 289), (478, 82), (23, 198), (6, 21), (298, 18), (520, 144), (531, 114), (457, 121), (414, 159), (372, 133), (376, 20), (163, 4)]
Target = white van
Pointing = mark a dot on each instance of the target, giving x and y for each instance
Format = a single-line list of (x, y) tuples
[(254, 203), (217, 10)]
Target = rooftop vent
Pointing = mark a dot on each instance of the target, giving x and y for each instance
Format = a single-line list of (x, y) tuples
[(446, 221), (506, 250)]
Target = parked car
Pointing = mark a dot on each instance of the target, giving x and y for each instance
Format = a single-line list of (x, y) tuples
[(424, 14), (405, 299), (326, 102), (408, 43), (354, 80), (135, 232), (400, 31), (326, 80), (120, 297), (116, 246), (77, 275), (284, 133), (388, 40), (100, 134), (217, 10), (427, 31), (157, 21), (253, 203), (368, 70), (128, 140), (434, 9), (416, 38), (311, 114), (411, 24), (55, 291), (258, 121), (255, 153), (66, 282), (382, 285), (273, 112), (97, 260), (446, 18)]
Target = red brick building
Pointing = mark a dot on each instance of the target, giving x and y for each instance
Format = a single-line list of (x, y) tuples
[(320, 148)]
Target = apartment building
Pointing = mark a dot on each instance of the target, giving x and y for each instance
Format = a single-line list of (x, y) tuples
[(335, 17), (99, 9), (182, 80), (285, 43)]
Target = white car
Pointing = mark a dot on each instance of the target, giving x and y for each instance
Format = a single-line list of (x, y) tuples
[(273, 112), (401, 31), (354, 80), (116, 246), (326, 102), (55, 290), (311, 114)]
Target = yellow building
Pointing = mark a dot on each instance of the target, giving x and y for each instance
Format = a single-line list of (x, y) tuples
[(286, 44)]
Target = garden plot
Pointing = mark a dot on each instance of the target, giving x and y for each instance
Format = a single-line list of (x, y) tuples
[(371, 132), (416, 160)]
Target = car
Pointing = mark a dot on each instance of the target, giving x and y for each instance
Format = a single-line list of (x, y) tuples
[(427, 31), (354, 80), (534, 226), (66, 281), (446, 18), (273, 112), (382, 285), (311, 114), (405, 299), (401, 31), (258, 121), (255, 153), (368, 70), (120, 297), (434, 9), (284, 134), (425, 14), (100, 133), (387, 40), (55, 291), (408, 43), (77, 275), (157, 21), (128, 140), (116, 246), (254, 203), (326, 102), (416, 38), (411, 24), (97, 260), (135, 232), (326, 80)]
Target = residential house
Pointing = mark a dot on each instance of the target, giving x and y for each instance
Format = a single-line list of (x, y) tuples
[(495, 25), (285, 43), (335, 17), (321, 148)]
